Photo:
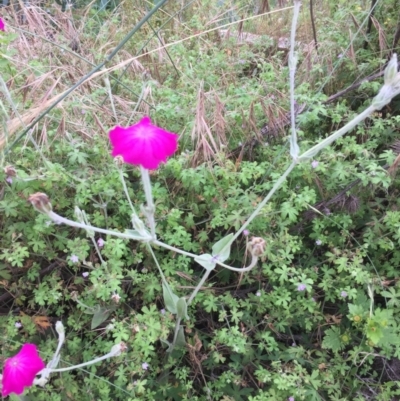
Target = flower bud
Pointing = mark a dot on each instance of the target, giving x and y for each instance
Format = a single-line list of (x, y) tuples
[(40, 202), (10, 171), (74, 295), (391, 87), (391, 71), (118, 349), (60, 328), (119, 161), (115, 298), (256, 246)]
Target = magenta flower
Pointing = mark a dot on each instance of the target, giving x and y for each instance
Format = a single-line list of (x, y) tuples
[(143, 144), (2, 26), (20, 370)]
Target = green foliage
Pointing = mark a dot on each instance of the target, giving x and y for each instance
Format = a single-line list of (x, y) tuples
[(253, 336)]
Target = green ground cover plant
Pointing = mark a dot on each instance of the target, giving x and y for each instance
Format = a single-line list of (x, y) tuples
[(317, 317)]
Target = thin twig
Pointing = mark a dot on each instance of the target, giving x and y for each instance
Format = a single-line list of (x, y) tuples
[(369, 26), (313, 25)]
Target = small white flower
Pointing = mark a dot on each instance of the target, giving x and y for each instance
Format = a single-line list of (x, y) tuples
[(74, 259), (109, 327), (85, 274), (18, 325)]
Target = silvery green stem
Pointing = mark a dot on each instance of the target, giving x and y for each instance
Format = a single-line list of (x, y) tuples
[(149, 199), (192, 255), (59, 219), (173, 249), (176, 331), (326, 142), (81, 365), (61, 338), (199, 285), (294, 147), (121, 176), (158, 266), (276, 186), (253, 262)]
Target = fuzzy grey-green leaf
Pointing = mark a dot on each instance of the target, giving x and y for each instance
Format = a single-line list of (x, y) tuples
[(206, 260), (100, 316), (170, 299), (222, 249), (181, 307)]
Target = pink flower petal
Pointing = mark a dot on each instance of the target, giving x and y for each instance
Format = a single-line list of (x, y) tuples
[(143, 144), (2, 25), (20, 370)]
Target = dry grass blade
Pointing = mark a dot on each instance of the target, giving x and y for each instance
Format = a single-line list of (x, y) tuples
[(18, 123), (203, 141), (219, 119), (50, 91), (395, 165), (352, 53), (383, 45)]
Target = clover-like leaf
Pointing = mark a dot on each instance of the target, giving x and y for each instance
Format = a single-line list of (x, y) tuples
[(222, 249), (170, 299), (207, 261)]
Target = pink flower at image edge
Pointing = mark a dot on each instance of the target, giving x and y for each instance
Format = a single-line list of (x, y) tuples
[(143, 144), (20, 370), (2, 26)]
